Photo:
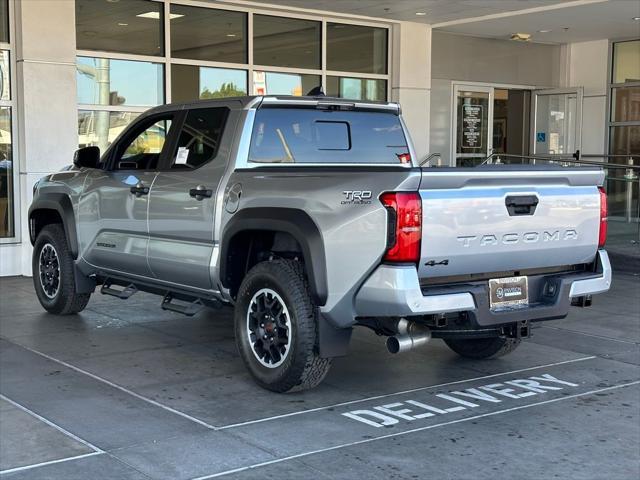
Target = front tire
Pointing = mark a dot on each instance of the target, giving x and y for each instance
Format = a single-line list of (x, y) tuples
[(482, 348), (276, 328), (53, 273)]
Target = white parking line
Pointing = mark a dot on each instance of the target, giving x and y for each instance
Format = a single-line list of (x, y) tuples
[(51, 424), (121, 388), (51, 462), (351, 402), (406, 432)]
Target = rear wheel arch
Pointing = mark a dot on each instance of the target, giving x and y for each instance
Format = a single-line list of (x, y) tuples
[(252, 232), (54, 208)]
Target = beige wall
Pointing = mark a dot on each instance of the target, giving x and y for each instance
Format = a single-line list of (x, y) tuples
[(458, 57), (588, 68)]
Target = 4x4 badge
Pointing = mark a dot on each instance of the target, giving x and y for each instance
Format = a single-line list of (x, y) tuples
[(433, 263)]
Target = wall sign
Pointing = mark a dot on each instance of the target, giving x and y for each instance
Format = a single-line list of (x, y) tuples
[(472, 120), (541, 137)]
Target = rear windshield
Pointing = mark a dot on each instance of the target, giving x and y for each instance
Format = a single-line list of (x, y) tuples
[(302, 135)]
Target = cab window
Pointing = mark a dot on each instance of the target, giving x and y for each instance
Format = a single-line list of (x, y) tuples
[(141, 150), (199, 138)]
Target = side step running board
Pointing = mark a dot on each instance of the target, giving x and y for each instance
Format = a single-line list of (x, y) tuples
[(188, 309), (126, 292)]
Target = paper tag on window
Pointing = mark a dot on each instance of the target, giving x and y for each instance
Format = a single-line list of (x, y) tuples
[(182, 156)]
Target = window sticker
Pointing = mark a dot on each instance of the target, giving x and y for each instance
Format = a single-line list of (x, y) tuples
[(182, 157)]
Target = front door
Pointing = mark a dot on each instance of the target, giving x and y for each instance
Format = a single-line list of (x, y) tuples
[(556, 119), (183, 199), (113, 208), (472, 121)]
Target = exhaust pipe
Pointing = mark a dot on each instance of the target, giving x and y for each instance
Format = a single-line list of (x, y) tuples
[(410, 335)]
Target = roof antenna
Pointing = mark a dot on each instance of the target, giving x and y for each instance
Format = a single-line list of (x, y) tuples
[(316, 92)]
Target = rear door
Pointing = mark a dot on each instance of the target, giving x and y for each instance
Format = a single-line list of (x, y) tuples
[(113, 208), (183, 198)]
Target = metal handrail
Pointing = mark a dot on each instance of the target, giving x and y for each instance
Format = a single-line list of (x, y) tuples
[(428, 158), (566, 159)]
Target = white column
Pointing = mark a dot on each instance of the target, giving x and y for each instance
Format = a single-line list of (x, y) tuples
[(411, 79), (45, 49)]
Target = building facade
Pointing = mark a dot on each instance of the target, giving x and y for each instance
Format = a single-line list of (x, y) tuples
[(77, 72)]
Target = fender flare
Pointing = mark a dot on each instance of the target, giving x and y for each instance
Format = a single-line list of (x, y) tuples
[(295, 222), (61, 203)]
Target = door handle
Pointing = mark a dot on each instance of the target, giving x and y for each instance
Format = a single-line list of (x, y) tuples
[(200, 192), (140, 190)]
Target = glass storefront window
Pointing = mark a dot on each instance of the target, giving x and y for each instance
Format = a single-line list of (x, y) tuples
[(4, 21), (131, 26), (104, 81), (626, 62), (625, 140), (273, 83), (190, 82), (357, 88), (286, 42), (5, 76), (353, 48), (101, 127), (208, 34), (625, 104), (7, 228)]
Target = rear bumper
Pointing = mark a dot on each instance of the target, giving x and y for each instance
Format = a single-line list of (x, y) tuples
[(394, 291)]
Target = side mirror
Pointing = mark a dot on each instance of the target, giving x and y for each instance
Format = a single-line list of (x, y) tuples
[(87, 157)]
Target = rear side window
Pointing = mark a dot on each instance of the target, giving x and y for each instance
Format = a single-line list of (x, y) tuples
[(297, 135), (200, 138)]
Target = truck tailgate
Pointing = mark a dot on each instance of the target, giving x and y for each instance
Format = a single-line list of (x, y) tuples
[(507, 218)]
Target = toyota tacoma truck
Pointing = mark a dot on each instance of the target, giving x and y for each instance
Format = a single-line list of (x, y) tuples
[(310, 216)]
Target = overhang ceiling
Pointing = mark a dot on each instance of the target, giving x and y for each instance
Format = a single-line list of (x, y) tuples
[(568, 20)]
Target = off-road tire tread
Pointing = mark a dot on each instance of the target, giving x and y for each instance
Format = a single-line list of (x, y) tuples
[(482, 348), (308, 369), (70, 302)]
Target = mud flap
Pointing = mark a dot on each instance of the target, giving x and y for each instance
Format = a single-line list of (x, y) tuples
[(83, 283), (333, 342)]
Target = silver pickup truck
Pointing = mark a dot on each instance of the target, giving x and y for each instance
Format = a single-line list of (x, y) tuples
[(310, 216)]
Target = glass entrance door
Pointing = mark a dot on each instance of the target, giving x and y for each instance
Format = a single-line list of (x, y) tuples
[(472, 120), (556, 119)]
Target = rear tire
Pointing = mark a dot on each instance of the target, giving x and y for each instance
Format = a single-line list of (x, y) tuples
[(53, 273), (481, 348), (276, 328)]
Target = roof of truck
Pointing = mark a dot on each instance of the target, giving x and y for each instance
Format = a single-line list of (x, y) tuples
[(251, 101)]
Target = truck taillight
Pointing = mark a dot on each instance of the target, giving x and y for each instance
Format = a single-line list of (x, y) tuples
[(604, 212), (405, 226)]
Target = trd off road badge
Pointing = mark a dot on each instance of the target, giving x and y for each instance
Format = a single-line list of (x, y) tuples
[(357, 197)]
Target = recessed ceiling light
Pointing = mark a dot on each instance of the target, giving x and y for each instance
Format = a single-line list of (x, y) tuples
[(637, 19), (122, 24), (421, 14), (156, 15), (521, 37), (544, 31), (231, 34)]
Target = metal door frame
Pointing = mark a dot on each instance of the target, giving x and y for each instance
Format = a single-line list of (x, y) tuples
[(470, 87), (578, 91)]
